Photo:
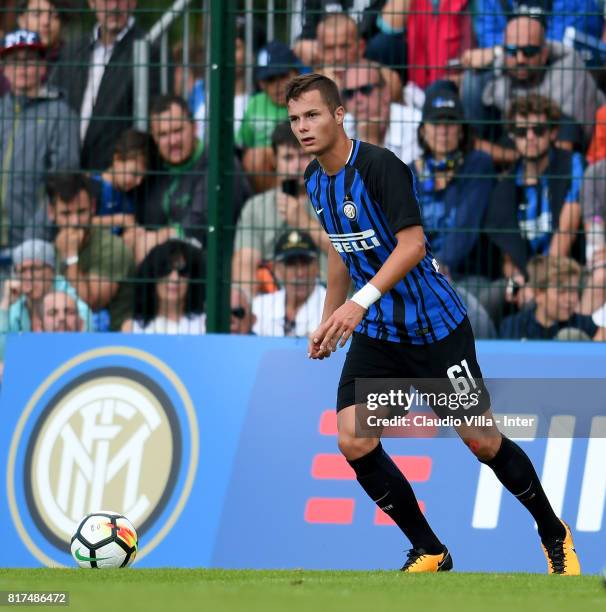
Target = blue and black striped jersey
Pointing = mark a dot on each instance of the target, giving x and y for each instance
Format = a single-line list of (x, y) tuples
[(361, 208)]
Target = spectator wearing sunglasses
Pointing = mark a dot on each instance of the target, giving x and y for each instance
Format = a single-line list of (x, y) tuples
[(535, 209), (528, 64), (169, 291), (242, 317), (373, 118)]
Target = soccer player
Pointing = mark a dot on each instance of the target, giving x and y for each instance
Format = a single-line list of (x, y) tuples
[(405, 319)]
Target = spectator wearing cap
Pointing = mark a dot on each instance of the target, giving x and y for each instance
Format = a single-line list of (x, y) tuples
[(96, 73), (33, 276), (453, 182), (60, 313), (242, 318), (535, 208), (176, 202), (38, 135), (266, 216), (296, 309), (555, 283), (373, 118), (276, 66), (528, 64)]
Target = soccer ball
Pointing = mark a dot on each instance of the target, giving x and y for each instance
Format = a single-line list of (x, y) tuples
[(104, 539)]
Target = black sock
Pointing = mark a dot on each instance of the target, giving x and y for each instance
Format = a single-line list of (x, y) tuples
[(514, 469), (388, 488)]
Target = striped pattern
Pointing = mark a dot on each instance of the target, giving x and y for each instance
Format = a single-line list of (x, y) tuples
[(422, 308)]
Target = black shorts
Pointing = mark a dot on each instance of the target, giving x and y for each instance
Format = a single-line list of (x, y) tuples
[(439, 361)]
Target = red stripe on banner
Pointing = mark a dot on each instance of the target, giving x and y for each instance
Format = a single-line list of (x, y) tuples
[(334, 511), (416, 469), (331, 466), (328, 423), (383, 519)]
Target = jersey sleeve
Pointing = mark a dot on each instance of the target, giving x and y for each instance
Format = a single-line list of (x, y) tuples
[(391, 184)]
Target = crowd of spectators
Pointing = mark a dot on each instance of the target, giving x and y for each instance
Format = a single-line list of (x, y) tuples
[(104, 227)]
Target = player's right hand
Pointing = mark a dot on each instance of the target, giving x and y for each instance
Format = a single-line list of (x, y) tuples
[(314, 350)]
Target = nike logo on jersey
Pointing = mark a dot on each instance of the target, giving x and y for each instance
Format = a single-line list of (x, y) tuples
[(354, 242), (319, 210)]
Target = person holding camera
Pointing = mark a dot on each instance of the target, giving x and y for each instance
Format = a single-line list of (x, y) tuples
[(267, 215)]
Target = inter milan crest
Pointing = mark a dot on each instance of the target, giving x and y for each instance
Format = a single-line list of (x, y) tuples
[(349, 207)]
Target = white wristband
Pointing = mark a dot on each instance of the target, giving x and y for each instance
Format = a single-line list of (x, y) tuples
[(367, 296)]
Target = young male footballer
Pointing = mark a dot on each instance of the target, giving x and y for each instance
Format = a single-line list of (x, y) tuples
[(405, 319)]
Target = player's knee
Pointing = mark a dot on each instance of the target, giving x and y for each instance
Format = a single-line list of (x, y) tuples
[(484, 449), (354, 448)]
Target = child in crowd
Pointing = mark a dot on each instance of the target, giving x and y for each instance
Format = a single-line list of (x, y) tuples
[(115, 186)]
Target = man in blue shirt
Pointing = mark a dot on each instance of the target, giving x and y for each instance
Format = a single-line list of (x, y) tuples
[(406, 321), (535, 209)]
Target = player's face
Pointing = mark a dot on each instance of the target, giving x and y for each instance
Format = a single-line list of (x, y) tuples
[(291, 162), (312, 122), (532, 136), (25, 69), (560, 303), (365, 95), (60, 314), (42, 17), (36, 278), (174, 134), (128, 173), (442, 138), (298, 276), (275, 87)]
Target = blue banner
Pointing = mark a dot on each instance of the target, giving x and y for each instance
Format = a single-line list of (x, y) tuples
[(222, 451)]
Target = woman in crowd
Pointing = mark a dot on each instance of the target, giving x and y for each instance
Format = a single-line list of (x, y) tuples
[(169, 291)]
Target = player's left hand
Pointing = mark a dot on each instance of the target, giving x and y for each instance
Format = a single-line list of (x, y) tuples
[(337, 329)]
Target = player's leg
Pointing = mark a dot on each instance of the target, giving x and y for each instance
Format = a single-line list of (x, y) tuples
[(508, 461), (378, 475), (515, 471)]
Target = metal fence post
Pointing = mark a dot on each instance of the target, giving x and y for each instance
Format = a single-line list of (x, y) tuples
[(141, 83), (220, 167)]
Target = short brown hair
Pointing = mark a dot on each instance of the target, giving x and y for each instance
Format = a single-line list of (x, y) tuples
[(548, 271), (308, 82), (534, 104), (131, 143), (283, 136)]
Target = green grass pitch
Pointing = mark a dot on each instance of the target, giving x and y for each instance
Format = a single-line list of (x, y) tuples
[(177, 590)]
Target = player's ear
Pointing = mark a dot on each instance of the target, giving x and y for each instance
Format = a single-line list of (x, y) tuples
[(339, 115)]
